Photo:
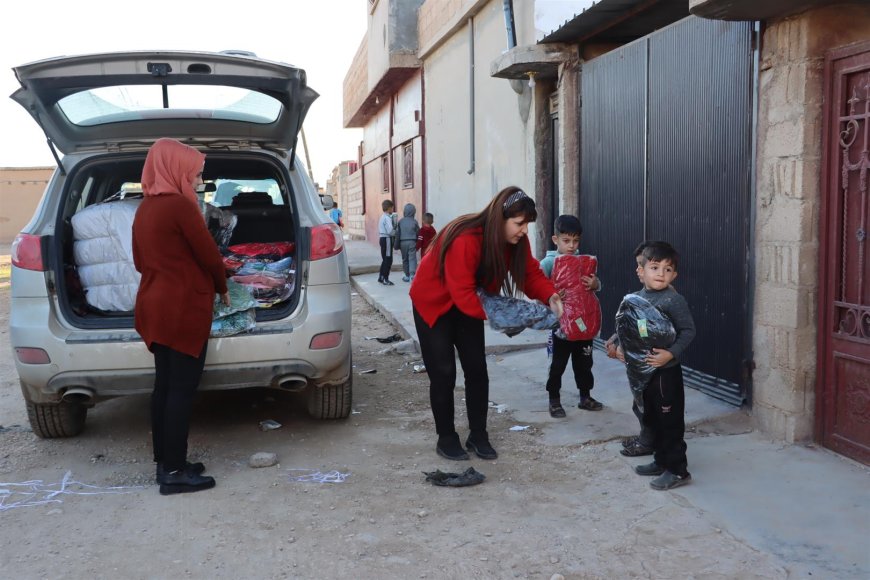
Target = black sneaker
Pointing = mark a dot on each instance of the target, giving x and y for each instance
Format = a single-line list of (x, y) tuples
[(388, 283), (629, 441), (194, 468), (556, 410), (479, 443), (668, 480), (184, 481), (589, 404), (449, 447), (649, 469), (636, 449)]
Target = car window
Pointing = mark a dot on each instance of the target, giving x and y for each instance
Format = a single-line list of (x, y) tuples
[(256, 190), (133, 102)]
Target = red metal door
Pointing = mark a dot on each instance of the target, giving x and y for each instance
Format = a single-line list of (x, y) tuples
[(843, 401)]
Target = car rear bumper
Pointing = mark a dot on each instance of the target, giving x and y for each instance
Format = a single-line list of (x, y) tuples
[(113, 363)]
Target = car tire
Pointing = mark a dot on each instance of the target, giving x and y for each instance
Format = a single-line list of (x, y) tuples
[(330, 401), (57, 420)]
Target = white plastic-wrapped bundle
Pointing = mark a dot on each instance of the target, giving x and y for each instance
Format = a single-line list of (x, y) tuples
[(103, 251)]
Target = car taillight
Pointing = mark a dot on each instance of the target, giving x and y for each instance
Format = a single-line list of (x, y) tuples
[(27, 252), (325, 340), (326, 241)]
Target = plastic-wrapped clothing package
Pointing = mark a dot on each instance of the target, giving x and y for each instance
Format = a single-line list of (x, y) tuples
[(641, 327), (103, 253), (513, 315), (581, 319), (220, 223), (238, 317), (265, 269)]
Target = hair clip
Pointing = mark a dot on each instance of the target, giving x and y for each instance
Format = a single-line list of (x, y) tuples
[(515, 197)]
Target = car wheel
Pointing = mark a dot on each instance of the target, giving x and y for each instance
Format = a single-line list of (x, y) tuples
[(57, 420), (330, 401)]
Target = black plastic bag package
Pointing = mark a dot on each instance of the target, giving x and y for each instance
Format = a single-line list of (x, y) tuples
[(220, 224), (641, 327), (513, 315), (468, 477)]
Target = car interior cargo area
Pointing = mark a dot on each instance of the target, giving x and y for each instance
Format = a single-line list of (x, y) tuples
[(248, 207)]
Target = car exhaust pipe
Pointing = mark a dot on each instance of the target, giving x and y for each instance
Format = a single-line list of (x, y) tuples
[(77, 395), (293, 383)]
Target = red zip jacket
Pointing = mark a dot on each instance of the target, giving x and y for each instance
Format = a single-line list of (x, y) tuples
[(433, 297), (425, 236)]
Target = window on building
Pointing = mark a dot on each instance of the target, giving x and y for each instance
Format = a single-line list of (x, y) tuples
[(385, 172), (408, 165)]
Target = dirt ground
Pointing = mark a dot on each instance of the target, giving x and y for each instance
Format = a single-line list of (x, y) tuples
[(542, 511)]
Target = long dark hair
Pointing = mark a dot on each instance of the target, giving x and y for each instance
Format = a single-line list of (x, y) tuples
[(509, 203)]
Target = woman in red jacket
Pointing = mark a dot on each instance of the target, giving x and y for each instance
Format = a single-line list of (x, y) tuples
[(182, 270), (489, 250)]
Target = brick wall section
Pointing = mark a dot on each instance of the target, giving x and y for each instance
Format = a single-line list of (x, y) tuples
[(356, 83), (438, 19), (787, 208), (21, 188)]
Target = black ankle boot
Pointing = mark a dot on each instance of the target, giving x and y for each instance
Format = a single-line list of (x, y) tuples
[(449, 447), (195, 468), (184, 481), (478, 441)]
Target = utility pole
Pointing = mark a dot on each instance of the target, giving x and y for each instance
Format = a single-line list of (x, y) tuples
[(307, 158)]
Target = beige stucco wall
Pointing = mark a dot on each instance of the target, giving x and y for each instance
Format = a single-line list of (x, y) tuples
[(21, 188), (787, 208), (503, 129)]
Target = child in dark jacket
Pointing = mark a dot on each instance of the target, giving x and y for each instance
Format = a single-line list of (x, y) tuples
[(567, 232), (407, 231)]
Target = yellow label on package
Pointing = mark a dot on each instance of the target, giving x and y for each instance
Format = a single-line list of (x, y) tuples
[(580, 324), (641, 327)]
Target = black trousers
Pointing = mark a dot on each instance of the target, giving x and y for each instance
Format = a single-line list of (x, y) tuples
[(580, 353), (386, 257), (455, 331), (646, 436), (664, 409), (177, 377)]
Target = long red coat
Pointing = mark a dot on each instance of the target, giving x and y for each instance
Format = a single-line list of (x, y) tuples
[(181, 269)]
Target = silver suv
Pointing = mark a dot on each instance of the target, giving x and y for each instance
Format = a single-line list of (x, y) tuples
[(103, 112)]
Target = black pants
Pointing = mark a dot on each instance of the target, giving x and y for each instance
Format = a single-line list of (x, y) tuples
[(177, 378), (455, 331), (646, 437), (386, 257), (580, 353), (664, 408)]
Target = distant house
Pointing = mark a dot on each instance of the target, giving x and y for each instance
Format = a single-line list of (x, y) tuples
[(21, 188)]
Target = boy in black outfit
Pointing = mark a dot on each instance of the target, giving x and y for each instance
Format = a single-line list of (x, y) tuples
[(664, 397), (567, 231)]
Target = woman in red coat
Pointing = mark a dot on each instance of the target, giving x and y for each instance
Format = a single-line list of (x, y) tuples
[(182, 270), (489, 250)]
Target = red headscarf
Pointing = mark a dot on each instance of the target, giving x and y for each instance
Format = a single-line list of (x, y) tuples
[(170, 169)]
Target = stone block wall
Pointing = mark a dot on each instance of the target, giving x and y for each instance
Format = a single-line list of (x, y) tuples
[(788, 198)]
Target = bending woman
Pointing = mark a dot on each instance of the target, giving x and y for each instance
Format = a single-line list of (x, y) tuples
[(489, 250), (182, 270)]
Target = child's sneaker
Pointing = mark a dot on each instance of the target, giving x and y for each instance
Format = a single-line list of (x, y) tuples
[(636, 449), (668, 480), (649, 469), (406, 279), (388, 283), (589, 404), (556, 410)]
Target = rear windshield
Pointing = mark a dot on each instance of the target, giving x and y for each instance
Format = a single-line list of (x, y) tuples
[(136, 102)]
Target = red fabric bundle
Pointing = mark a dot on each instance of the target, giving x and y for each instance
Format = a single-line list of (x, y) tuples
[(582, 312)]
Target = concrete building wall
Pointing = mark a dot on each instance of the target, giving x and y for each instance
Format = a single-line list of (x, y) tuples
[(787, 207), (21, 188), (502, 131)]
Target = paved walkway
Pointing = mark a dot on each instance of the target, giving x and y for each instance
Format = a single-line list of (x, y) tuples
[(804, 504)]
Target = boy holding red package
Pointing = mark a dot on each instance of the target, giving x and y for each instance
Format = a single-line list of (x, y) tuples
[(574, 277)]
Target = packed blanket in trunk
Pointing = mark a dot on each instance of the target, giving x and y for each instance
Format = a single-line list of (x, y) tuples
[(103, 253)]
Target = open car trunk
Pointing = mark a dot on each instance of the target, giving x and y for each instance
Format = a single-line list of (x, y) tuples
[(249, 209)]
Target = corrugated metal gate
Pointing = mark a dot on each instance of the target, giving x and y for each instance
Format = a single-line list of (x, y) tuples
[(666, 154)]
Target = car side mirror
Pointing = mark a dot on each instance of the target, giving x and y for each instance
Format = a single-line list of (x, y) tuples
[(209, 187), (326, 201)]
